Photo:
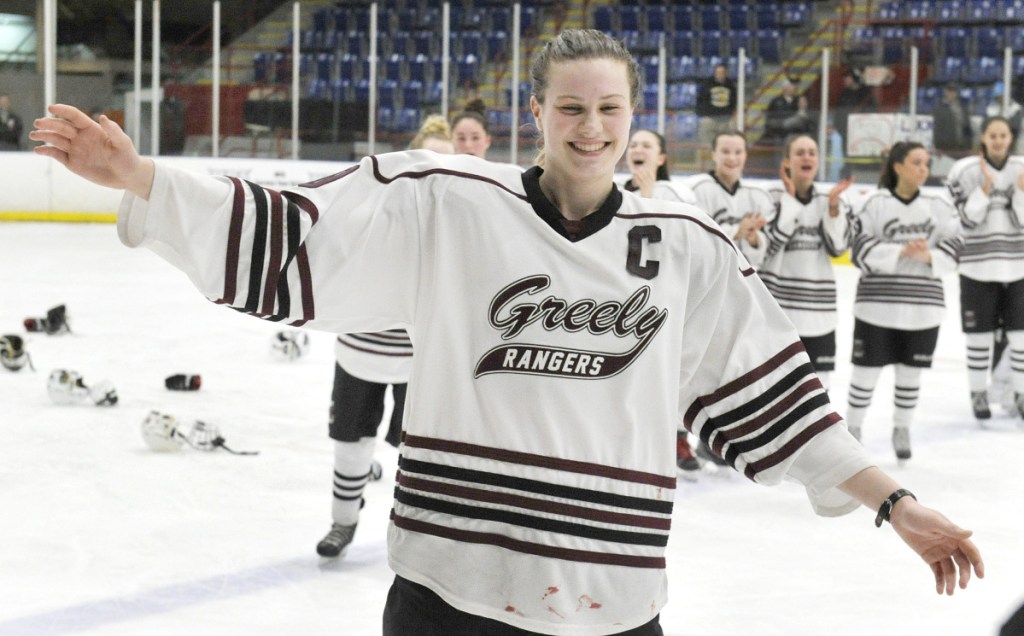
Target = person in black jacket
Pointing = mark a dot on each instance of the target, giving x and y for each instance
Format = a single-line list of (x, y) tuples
[(854, 98), (716, 105), (952, 127), (10, 126)]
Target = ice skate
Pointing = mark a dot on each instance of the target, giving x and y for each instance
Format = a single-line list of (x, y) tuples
[(979, 404), (334, 544), (901, 442), (688, 465)]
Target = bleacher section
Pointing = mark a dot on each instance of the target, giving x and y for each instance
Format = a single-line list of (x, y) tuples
[(959, 41)]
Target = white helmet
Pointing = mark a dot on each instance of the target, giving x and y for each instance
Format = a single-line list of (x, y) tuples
[(204, 436), (160, 432), (66, 387), (290, 345), (12, 353)]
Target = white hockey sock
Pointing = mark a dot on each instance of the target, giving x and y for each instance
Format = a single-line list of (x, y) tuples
[(908, 387), (351, 473), (1016, 353), (979, 359), (862, 387)]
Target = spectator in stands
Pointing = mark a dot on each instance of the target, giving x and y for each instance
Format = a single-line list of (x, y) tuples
[(780, 109), (1012, 112), (10, 126), (470, 134), (952, 128), (855, 97), (716, 105)]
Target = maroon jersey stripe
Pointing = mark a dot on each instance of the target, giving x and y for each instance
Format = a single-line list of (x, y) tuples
[(234, 241), (791, 446), (542, 461), (526, 547)]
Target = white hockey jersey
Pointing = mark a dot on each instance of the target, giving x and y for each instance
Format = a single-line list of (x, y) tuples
[(384, 357), (538, 468), (797, 269), (993, 223), (895, 292), (728, 207)]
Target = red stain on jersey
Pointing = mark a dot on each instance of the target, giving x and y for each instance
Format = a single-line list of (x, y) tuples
[(551, 590), (586, 602)]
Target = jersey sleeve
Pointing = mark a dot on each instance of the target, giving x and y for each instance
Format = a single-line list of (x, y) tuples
[(867, 249), (969, 199), (948, 242), (341, 254), (835, 230), (748, 390)]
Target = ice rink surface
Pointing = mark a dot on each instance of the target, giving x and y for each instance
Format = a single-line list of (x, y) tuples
[(99, 535)]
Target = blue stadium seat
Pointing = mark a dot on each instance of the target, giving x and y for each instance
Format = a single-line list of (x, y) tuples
[(922, 10), (949, 11), (423, 43), (340, 21), (682, 127), (738, 17), (706, 65), (1010, 11), (980, 11), (740, 39), (949, 69), (953, 42), (649, 66), (769, 45), (356, 43), (1015, 40), (321, 17), (341, 90), (795, 14), (927, 98), (467, 68), (317, 89), (988, 41), (497, 46), (682, 17), (890, 11), (766, 16), (407, 120), (893, 38), (361, 91), (499, 121), (385, 117), (682, 96), (282, 67), (657, 19), (983, 70), (394, 67), (387, 93), (419, 68), (681, 43), (629, 19), (324, 64), (710, 43), (412, 94), (260, 67), (710, 17), (732, 64), (501, 19), (405, 19), (650, 100), (605, 19), (469, 43), (434, 91), (681, 67)]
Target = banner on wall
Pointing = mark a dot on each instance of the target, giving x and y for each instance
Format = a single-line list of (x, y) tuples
[(870, 134)]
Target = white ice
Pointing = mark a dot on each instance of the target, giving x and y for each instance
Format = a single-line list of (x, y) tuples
[(99, 535)]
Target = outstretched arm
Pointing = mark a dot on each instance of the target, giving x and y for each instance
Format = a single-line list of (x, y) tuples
[(944, 546), (98, 151)]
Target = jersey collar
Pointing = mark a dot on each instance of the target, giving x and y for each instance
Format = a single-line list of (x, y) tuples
[(550, 214)]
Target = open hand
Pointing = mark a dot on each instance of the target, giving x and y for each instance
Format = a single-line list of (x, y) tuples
[(944, 546), (833, 195), (98, 151)]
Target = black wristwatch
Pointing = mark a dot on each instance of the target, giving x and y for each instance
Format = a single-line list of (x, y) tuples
[(886, 509)]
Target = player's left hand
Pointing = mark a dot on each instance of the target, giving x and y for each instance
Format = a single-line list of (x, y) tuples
[(944, 546)]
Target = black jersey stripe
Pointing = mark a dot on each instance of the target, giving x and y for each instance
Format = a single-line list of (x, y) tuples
[(276, 232), (259, 247), (792, 446), (456, 491), (555, 526), (292, 226), (534, 486), (526, 547)]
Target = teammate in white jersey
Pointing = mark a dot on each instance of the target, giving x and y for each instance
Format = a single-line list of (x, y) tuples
[(365, 365), (904, 241), (562, 328), (988, 191), (648, 166), (741, 209), (808, 228)]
